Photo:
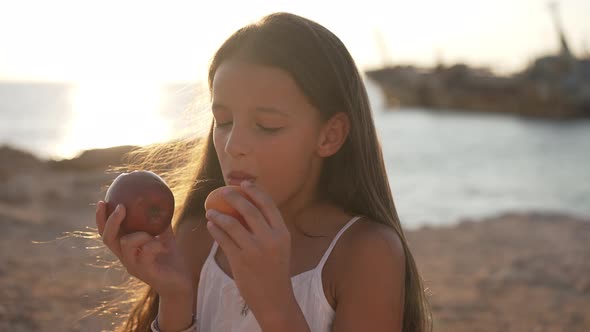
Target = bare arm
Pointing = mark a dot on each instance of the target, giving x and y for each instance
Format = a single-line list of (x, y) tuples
[(370, 289), (175, 312)]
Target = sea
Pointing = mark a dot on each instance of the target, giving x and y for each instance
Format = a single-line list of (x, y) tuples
[(443, 166)]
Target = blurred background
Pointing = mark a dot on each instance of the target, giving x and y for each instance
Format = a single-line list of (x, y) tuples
[(482, 109)]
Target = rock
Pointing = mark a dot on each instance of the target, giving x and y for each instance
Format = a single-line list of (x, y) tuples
[(93, 159), (16, 161)]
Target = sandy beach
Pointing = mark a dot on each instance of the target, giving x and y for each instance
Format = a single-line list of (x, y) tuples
[(524, 271)]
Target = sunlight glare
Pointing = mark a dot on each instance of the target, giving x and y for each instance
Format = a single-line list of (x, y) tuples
[(111, 114)]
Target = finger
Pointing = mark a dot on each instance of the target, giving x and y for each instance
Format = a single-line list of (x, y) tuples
[(111, 230), (266, 205), (232, 227), (100, 217), (167, 235), (249, 211), (132, 246), (224, 240)]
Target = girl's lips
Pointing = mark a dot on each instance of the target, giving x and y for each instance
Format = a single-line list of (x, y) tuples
[(240, 175), (235, 178), (237, 181)]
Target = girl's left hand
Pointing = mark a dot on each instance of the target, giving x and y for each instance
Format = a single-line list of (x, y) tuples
[(260, 258)]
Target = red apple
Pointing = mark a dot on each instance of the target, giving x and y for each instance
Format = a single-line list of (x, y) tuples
[(148, 201)]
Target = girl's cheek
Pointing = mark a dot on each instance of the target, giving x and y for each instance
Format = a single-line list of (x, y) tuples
[(219, 138), (218, 144)]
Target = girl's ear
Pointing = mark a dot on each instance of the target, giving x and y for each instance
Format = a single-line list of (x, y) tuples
[(333, 134)]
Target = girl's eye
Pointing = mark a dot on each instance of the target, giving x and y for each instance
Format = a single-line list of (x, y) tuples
[(270, 130), (220, 125), (266, 129)]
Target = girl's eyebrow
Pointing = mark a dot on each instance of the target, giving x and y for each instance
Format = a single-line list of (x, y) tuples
[(271, 110), (257, 109)]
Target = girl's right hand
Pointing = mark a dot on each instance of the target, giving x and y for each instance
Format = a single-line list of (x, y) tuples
[(156, 260)]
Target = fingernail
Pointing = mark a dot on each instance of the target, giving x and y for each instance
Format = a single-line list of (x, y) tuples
[(118, 208), (210, 213), (247, 183)]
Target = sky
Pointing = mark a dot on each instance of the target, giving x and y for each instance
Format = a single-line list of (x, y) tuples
[(82, 41)]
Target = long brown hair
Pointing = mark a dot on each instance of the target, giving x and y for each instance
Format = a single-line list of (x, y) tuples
[(354, 178)]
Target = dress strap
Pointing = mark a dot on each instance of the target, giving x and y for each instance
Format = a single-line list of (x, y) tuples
[(329, 250), (213, 250)]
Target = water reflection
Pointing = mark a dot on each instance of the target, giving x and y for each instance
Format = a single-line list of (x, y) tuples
[(110, 114)]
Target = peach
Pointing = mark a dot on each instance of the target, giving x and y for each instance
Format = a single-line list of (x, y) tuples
[(216, 200)]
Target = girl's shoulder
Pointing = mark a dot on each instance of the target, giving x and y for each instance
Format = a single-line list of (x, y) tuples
[(365, 234), (366, 243), (366, 231)]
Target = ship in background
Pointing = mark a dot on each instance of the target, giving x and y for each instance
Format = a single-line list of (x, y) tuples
[(553, 86)]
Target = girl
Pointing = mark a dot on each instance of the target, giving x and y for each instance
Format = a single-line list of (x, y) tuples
[(324, 249)]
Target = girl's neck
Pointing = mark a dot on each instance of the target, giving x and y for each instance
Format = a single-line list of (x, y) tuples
[(313, 218), (305, 206), (297, 208)]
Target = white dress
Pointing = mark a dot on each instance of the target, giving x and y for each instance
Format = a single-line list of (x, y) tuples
[(220, 306)]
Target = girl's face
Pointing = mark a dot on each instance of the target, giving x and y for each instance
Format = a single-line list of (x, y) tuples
[(265, 127)]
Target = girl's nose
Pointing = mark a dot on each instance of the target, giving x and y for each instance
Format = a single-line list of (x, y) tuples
[(238, 143)]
